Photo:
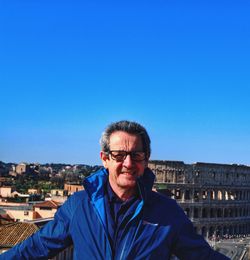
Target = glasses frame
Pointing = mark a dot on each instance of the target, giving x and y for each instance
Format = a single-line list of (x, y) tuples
[(126, 154)]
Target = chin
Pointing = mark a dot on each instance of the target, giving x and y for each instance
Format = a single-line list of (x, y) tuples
[(128, 184)]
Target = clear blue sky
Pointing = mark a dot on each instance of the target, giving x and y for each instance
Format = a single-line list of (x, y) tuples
[(69, 68)]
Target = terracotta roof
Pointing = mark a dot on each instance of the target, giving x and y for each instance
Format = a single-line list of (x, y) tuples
[(37, 215), (48, 204), (6, 217), (12, 234)]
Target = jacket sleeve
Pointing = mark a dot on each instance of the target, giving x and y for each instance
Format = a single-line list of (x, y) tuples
[(49, 240), (190, 245)]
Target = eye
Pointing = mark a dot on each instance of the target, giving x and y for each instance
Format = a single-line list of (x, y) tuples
[(138, 156), (118, 155)]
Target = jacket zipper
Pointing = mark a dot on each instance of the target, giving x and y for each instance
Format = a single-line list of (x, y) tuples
[(106, 235), (99, 218), (133, 217)]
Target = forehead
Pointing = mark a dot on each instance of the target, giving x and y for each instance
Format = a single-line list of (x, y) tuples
[(123, 141)]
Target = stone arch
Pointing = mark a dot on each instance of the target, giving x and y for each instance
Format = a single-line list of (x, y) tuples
[(226, 195), (196, 212), (212, 213), (225, 213), (204, 194), (173, 194), (178, 194), (187, 195), (236, 212), (212, 195), (219, 212), (196, 195), (204, 213), (230, 212), (219, 196)]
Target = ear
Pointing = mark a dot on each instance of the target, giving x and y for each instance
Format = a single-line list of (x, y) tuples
[(105, 159)]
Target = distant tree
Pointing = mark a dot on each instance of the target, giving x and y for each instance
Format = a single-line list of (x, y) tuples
[(57, 182)]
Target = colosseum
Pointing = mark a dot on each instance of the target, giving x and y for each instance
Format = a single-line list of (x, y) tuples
[(214, 196)]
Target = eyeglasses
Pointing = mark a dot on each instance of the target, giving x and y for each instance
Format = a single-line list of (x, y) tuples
[(120, 156)]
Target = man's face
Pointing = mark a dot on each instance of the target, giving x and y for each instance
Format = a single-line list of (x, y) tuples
[(123, 174)]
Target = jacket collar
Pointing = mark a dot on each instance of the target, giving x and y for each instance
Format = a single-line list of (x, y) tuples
[(145, 184), (95, 183)]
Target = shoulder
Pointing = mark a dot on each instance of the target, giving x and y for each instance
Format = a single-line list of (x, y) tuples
[(165, 208), (77, 198), (79, 195), (73, 202), (159, 199)]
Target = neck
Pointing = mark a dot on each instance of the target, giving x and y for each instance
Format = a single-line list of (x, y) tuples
[(122, 193)]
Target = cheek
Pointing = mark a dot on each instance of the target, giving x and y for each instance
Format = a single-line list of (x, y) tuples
[(115, 168), (141, 169)]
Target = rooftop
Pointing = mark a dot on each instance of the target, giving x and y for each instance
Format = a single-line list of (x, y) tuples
[(48, 204), (14, 233)]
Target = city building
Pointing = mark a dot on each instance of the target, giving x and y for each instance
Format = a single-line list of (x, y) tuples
[(71, 188), (22, 168), (58, 195), (29, 211), (6, 191), (58, 192), (46, 209), (216, 197), (34, 191), (17, 211)]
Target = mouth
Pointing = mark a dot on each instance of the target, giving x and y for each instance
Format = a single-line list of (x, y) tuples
[(128, 173)]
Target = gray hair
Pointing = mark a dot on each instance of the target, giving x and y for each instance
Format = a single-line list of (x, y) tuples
[(128, 127)]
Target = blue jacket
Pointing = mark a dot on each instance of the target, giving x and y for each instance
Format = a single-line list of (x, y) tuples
[(158, 228)]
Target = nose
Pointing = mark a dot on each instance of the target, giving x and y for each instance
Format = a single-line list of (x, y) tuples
[(128, 162)]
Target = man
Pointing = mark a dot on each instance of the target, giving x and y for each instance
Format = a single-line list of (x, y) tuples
[(118, 216)]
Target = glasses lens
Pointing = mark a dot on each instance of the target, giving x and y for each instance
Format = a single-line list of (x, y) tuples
[(120, 156), (137, 156)]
